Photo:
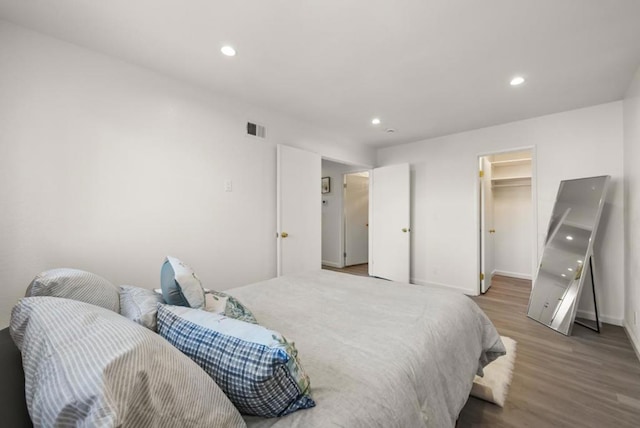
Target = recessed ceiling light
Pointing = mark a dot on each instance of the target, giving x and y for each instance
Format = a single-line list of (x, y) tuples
[(375, 121), (563, 275), (228, 50), (569, 238), (580, 261), (570, 269), (518, 80)]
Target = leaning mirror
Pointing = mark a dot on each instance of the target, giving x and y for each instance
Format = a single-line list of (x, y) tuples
[(567, 255)]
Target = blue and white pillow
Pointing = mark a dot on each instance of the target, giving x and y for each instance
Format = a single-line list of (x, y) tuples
[(180, 285), (257, 368)]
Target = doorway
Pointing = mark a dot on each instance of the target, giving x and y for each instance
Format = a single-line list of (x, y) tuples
[(345, 217), (506, 213), (356, 219), (307, 221)]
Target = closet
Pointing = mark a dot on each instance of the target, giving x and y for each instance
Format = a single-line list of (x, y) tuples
[(507, 215)]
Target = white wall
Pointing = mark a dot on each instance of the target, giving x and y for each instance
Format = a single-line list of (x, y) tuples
[(513, 220), (108, 167), (632, 209), (578, 143)]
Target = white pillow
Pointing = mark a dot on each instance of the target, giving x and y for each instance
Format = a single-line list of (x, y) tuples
[(86, 366), (215, 304), (140, 305)]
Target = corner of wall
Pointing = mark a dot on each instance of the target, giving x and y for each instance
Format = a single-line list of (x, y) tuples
[(631, 187), (635, 341)]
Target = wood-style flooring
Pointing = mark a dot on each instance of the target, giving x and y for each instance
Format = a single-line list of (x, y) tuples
[(360, 270), (585, 380)]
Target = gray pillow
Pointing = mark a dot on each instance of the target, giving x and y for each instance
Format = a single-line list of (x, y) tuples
[(180, 285), (89, 367), (76, 285), (140, 305)]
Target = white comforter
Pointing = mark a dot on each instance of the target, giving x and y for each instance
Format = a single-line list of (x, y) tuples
[(379, 353)]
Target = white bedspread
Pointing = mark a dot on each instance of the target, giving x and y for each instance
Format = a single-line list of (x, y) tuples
[(379, 353)]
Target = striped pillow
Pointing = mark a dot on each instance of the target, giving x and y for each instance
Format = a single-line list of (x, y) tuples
[(257, 368), (140, 305), (76, 285), (87, 366)]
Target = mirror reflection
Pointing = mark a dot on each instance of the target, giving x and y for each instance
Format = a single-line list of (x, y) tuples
[(566, 255)]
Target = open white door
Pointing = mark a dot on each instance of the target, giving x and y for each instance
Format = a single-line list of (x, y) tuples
[(486, 226), (356, 219), (299, 203), (389, 217)]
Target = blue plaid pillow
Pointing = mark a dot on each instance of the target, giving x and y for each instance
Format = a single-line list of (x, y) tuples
[(257, 368)]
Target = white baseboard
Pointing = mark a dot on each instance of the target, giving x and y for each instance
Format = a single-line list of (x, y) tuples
[(635, 342), (512, 274), (332, 264), (589, 315), (447, 286)]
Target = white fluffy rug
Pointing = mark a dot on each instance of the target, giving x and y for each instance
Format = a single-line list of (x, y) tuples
[(494, 386)]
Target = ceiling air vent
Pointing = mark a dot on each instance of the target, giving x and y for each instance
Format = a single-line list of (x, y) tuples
[(256, 130)]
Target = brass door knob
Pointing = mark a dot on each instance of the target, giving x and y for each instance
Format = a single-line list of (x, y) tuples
[(492, 231), (405, 230), (284, 234)]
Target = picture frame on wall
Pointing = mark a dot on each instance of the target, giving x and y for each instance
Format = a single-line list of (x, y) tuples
[(326, 184)]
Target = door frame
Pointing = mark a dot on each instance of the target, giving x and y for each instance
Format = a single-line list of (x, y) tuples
[(534, 209)]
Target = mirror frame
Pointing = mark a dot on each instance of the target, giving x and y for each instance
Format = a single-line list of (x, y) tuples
[(587, 259)]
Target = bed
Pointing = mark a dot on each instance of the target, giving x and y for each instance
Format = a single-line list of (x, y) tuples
[(378, 353)]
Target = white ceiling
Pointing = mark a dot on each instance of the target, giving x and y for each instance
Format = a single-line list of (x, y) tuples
[(425, 67)]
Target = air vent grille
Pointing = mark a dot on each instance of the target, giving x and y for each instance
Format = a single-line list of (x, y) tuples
[(256, 130)]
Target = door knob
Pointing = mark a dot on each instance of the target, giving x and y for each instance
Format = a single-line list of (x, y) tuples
[(284, 234), (492, 231), (405, 230)]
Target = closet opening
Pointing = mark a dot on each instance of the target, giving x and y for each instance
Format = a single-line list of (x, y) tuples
[(506, 218)]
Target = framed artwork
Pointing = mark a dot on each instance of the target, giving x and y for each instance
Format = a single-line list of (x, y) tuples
[(326, 184)]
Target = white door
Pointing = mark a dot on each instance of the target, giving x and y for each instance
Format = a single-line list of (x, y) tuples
[(299, 203), (389, 220), (356, 219), (486, 226)]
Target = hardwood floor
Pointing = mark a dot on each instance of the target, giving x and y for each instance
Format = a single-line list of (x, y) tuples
[(585, 380), (360, 270)]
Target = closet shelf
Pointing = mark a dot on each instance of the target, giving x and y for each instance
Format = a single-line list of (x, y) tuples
[(511, 181), (512, 162)]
